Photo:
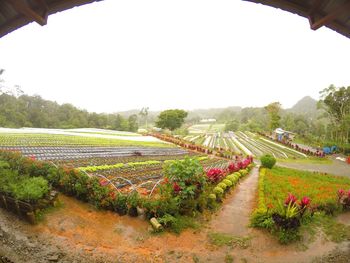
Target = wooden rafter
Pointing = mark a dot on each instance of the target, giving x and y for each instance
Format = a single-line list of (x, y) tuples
[(316, 4), (24, 8), (330, 17)]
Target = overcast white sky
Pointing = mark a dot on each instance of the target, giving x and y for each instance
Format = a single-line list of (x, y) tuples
[(118, 55)]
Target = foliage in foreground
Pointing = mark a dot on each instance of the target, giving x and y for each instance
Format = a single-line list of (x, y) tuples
[(186, 191), (21, 186), (315, 192)]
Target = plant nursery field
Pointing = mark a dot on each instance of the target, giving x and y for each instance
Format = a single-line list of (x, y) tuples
[(320, 188), (245, 143), (127, 160)]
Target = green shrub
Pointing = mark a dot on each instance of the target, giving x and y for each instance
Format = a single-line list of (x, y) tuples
[(31, 189), (287, 236), (260, 218), (243, 172), (268, 161), (218, 191), (237, 174), (212, 197), (222, 185), (227, 182)]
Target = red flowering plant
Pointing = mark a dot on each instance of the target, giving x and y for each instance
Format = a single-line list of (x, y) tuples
[(214, 175), (289, 214), (232, 168), (290, 199), (304, 204)]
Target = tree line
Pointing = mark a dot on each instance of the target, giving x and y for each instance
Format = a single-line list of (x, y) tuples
[(33, 111)]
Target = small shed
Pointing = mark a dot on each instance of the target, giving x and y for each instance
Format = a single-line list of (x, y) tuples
[(283, 135)]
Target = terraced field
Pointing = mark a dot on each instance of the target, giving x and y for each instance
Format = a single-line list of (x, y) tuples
[(245, 143), (127, 160)]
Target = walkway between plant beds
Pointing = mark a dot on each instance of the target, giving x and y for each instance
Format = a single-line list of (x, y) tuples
[(233, 217)]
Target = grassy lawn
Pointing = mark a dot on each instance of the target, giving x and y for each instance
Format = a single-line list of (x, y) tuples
[(320, 188), (274, 186), (309, 160)]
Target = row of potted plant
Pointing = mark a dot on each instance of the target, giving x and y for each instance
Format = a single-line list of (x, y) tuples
[(220, 152), (96, 168)]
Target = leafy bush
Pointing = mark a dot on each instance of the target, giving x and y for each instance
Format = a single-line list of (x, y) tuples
[(31, 189), (188, 174), (227, 182), (268, 161), (20, 186), (222, 186), (232, 178), (218, 191)]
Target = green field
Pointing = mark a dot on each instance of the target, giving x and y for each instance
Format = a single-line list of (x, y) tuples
[(35, 139)]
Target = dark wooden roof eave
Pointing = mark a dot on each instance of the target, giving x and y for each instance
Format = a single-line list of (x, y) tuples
[(302, 9), (54, 6), (334, 14)]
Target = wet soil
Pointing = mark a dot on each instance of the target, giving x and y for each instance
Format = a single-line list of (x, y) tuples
[(77, 232)]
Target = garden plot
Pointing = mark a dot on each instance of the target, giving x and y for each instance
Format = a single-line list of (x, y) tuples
[(70, 153), (44, 139), (95, 161), (102, 131), (143, 174), (206, 128), (247, 143)]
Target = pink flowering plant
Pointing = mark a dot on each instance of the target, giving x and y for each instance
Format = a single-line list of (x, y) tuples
[(289, 214)]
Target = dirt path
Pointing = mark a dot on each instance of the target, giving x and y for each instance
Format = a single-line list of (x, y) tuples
[(76, 232), (234, 216)]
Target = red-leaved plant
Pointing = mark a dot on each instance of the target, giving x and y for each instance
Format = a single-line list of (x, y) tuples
[(304, 202), (214, 175), (176, 188), (290, 199), (232, 168)]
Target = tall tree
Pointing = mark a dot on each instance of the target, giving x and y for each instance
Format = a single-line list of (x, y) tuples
[(171, 119), (273, 110), (336, 102), (133, 126)]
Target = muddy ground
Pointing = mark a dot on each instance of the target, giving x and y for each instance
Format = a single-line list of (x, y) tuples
[(77, 232)]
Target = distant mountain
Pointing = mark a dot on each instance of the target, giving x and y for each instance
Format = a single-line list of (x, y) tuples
[(305, 106)]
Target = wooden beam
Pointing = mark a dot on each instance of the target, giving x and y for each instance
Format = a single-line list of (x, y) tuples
[(330, 17), (22, 7), (313, 9), (44, 7)]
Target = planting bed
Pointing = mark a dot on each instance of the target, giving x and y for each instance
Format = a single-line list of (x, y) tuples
[(69, 153), (244, 143), (72, 139), (321, 188), (290, 199)]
